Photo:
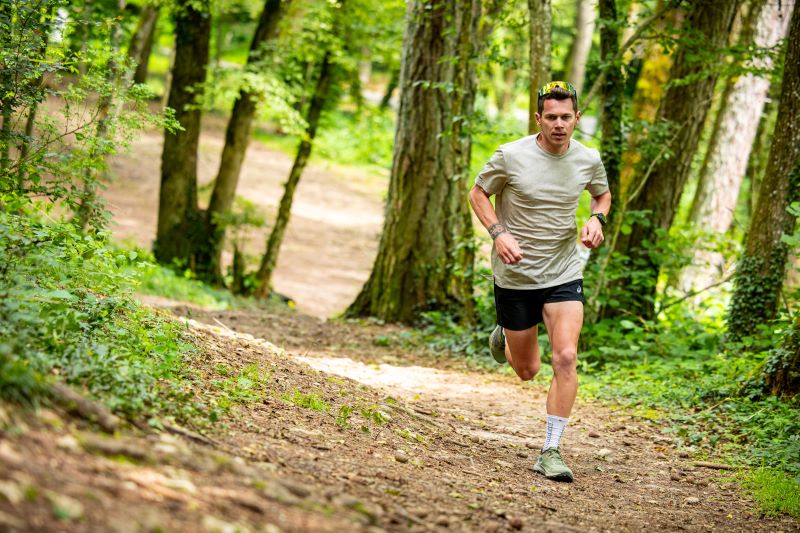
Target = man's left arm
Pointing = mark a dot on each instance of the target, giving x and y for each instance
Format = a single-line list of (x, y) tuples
[(592, 232)]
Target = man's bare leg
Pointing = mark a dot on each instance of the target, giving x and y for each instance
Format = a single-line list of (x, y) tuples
[(522, 351), (564, 321)]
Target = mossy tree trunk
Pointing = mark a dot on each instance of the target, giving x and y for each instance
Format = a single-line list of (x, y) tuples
[(426, 252), (783, 364), (540, 28), (585, 16), (612, 96), (315, 108), (181, 225), (762, 266), (141, 44), (684, 107), (237, 138), (732, 136)]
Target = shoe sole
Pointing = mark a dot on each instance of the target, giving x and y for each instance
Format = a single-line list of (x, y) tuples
[(564, 476), (499, 358)]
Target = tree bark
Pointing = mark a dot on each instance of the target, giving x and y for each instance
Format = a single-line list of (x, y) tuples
[(611, 114), (540, 27), (180, 222), (684, 107), (652, 79), (317, 104), (394, 79), (585, 16), (237, 138), (732, 137), (426, 252), (88, 207), (142, 42), (783, 365), (762, 266)]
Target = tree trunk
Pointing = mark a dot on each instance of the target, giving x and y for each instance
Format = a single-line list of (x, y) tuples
[(582, 42), (180, 225), (684, 107), (88, 206), (611, 115), (540, 28), (650, 84), (783, 364), (237, 137), (394, 79), (142, 42), (425, 257), (762, 266), (732, 137), (759, 154), (318, 101)]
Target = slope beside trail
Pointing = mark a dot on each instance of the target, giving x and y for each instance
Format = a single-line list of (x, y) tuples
[(346, 435)]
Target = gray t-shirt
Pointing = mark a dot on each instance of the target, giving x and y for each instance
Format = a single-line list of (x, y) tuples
[(537, 197)]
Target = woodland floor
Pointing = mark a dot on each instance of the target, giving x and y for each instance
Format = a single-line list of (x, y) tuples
[(431, 444)]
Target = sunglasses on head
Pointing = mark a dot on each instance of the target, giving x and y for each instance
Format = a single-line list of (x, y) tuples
[(547, 88)]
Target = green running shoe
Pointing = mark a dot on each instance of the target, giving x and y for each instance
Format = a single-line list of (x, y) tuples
[(497, 345), (552, 466)]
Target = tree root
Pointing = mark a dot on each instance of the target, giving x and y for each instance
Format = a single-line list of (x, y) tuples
[(84, 407)]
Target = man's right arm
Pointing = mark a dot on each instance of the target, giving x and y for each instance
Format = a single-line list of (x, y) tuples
[(506, 245)]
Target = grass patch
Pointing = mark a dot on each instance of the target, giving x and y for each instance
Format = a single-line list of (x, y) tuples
[(181, 285), (775, 492)]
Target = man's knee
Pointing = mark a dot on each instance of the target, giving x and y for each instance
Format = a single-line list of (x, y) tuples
[(565, 360), (528, 372)]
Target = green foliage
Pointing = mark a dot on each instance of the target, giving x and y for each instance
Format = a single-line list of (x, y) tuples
[(180, 285), (61, 154), (248, 385), (311, 400), (66, 310), (343, 417), (775, 492)]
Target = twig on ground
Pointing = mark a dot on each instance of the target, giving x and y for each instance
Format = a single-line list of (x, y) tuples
[(221, 324), (190, 434), (85, 407), (714, 466)]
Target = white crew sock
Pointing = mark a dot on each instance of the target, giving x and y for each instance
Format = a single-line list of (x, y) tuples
[(555, 428)]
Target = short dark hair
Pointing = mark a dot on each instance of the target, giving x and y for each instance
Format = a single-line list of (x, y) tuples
[(557, 93)]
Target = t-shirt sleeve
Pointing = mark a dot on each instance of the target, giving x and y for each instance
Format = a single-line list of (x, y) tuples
[(494, 176), (599, 182)]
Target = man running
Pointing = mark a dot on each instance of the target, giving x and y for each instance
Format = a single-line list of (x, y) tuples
[(537, 181)]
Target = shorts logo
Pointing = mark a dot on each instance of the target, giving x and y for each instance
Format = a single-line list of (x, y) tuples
[(579, 290)]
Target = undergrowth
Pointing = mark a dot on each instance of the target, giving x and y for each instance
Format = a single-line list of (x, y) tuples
[(67, 312)]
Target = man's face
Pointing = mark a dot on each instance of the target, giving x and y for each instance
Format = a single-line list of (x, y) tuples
[(557, 123)]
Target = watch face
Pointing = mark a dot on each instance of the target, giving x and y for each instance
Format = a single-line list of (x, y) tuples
[(601, 217)]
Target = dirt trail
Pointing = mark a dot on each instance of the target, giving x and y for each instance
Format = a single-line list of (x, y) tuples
[(331, 239), (402, 442)]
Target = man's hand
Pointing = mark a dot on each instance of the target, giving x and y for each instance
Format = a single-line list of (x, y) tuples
[(592, 233), (508, 249)]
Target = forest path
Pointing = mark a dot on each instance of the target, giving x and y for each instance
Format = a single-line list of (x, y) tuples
[(335, 429), (457, 451)]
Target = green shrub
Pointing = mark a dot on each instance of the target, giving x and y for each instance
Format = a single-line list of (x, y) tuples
[(66, 310)]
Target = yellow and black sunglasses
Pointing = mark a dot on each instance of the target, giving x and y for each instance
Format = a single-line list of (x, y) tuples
[(547, 88)]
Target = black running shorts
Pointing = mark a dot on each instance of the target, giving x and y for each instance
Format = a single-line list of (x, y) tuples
[(519, 309)]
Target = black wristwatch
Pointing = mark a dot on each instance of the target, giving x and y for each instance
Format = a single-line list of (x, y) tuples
[(601, 217)]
